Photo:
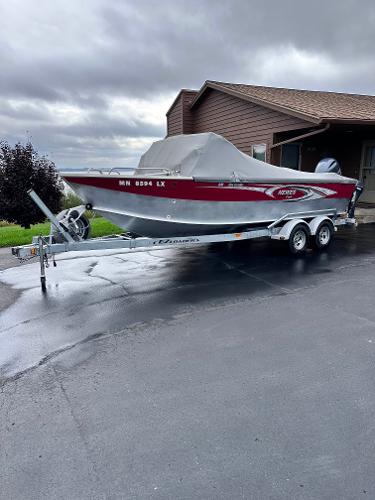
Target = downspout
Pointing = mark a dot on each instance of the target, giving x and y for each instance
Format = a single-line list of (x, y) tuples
[(303, 136)]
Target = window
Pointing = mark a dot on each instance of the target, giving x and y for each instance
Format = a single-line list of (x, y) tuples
[(290, 156), (370, 157), (258, 151)]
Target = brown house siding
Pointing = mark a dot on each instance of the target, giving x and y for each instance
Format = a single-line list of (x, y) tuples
[(174, 118), (179, 118), (187, 118), (241, 122)]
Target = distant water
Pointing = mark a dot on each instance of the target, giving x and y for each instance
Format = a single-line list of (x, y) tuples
[(126, 170), (71, 169)]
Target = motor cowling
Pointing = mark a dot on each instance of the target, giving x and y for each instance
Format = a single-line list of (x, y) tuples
[(328, 165)]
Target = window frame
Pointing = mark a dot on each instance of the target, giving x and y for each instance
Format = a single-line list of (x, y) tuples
[(257, 145)]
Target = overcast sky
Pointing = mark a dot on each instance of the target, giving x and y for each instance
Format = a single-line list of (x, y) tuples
[(90, 80)]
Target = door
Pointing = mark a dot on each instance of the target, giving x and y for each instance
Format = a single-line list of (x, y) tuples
[(368, 172)]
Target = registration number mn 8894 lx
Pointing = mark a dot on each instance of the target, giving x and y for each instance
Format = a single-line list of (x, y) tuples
[(128, 182)]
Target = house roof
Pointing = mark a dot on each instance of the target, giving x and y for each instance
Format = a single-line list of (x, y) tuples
[(311, 105)]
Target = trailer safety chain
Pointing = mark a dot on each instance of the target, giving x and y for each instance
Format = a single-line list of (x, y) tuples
[(46, 261), (26, 259)]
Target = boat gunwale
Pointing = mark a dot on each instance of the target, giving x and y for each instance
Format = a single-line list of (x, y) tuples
[(343, 180)]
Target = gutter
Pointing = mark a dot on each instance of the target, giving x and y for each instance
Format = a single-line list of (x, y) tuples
[(303, 136)]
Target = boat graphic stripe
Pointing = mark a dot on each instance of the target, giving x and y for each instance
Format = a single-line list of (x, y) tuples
[(186, 189)]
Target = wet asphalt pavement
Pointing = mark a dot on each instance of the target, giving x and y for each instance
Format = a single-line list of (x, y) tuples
[(220, 371)]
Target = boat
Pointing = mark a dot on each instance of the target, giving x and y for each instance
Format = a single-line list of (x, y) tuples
[(202, 184)]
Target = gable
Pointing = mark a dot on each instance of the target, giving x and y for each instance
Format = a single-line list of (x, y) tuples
[(179, 119)]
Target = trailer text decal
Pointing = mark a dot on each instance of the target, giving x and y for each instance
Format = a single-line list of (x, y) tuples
[(168, 241)]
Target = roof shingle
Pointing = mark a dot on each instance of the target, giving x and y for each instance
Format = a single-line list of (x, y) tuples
[(322, 106)]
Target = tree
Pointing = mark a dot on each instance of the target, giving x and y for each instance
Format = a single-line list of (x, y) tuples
[(21, 169)]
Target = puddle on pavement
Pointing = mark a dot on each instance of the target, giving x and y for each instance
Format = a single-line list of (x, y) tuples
[(100, 293)]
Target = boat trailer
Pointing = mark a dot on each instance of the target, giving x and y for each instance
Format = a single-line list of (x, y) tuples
[(69, 233)]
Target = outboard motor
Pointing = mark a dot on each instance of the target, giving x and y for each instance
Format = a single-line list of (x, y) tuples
[(353, 202), (328, 165)]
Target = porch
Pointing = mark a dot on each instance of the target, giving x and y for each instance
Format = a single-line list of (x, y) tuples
[(352, 145)]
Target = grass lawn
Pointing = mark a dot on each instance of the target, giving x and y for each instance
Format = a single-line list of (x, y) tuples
[(15, 235)]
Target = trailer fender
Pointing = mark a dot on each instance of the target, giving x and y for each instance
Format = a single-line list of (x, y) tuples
[(286, 230), (315, 223)]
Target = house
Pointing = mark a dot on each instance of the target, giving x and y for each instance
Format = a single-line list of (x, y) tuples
[(285, 127)]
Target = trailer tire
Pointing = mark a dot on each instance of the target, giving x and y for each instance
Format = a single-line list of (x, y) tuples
[(323, 235), (298, 239)]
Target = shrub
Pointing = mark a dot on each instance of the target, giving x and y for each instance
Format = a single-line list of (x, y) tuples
[(71, 200), (21, 169)]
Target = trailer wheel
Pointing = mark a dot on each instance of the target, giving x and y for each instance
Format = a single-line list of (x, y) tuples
[(323, 235), (298, 239)]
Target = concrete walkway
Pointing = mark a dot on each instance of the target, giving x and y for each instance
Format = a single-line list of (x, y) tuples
[(365, 214)]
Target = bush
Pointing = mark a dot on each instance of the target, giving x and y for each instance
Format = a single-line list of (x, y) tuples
[(71, 200), (21, 169)]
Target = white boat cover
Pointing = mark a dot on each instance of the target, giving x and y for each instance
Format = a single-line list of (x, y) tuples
[(209, 156)]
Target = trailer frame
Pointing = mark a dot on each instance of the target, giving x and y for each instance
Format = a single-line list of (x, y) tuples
[(45, 247)]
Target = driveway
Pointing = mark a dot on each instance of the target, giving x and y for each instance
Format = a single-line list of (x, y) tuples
[(221, 371)]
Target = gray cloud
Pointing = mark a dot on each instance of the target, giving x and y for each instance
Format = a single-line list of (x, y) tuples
[(88, 55)]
